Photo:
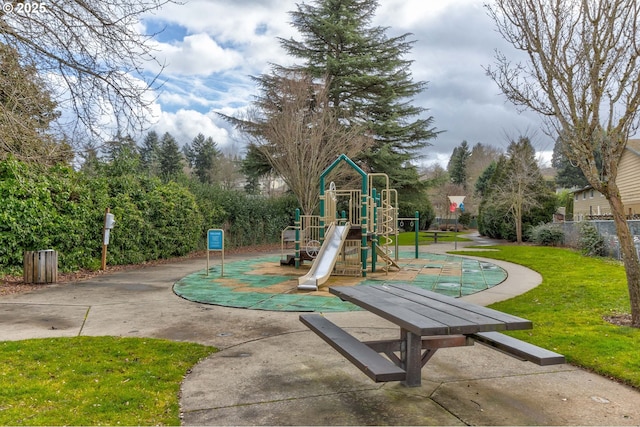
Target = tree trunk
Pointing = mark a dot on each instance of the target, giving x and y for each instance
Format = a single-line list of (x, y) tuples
[(629, 255), (518, 214)]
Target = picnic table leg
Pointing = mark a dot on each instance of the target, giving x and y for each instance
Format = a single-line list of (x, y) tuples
[(411, 356)]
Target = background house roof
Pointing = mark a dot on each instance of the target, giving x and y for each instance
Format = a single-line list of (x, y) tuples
[(633, 145)]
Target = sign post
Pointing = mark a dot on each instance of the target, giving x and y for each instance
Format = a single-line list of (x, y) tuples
[(109, 223), (457, 202), (215, 242)]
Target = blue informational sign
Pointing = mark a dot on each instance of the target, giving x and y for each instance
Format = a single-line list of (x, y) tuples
[(215, 240)]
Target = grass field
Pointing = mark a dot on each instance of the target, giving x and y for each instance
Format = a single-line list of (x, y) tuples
[(408, 238), (570, 307), (94, 380)]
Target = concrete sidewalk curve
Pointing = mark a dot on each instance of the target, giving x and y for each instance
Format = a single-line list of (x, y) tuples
[(271, 370)]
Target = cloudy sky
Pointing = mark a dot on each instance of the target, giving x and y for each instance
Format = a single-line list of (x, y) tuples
[(211, 47)]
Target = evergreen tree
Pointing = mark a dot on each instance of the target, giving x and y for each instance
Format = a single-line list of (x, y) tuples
[(484, 180), (189, 154), (457, 167), (254, 166), (568, 175), (170, 158), (26, 111), (518, 195), (149, 154), (121, 155), (370, 82), (203, 153), (491, 216)]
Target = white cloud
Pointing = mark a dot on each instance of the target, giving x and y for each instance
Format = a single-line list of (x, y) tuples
[(221, 43), (184, 125), (249, 28), (197, 54)]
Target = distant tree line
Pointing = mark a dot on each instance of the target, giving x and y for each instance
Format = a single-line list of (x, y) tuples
[(505, 193), (163, 202), (351, 91)]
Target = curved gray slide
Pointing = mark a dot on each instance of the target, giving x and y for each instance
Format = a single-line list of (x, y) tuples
[(325, 261)]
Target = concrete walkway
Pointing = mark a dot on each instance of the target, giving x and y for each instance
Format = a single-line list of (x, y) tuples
[(271, 370)]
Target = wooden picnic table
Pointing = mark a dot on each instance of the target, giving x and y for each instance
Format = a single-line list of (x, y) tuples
[(435, 234), (427, 321)]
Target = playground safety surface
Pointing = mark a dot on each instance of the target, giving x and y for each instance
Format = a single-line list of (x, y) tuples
[(262, 283)]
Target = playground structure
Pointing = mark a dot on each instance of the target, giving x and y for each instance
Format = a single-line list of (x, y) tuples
[(352, 231)]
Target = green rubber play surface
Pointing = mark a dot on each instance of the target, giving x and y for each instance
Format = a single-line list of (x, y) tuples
[(262, 283)]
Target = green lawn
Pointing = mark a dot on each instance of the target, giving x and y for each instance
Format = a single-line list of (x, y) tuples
[(133, 381), (94, 380), (408, 238), (569, 307)]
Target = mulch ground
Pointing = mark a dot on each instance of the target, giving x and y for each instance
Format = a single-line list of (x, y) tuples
[(15, 284)]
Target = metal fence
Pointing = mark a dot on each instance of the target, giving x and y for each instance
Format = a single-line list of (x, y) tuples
[(607, 229)]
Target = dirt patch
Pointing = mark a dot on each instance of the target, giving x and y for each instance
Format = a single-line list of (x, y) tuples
[(619, 319)]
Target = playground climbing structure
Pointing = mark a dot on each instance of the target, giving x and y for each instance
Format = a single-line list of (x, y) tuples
[(352, 232)]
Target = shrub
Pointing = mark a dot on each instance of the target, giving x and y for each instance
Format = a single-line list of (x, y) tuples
[(491, 221), (61, 209), (46, 209), (591, 243), (465, 219), (546, 235), (247, 219), (408, 209)]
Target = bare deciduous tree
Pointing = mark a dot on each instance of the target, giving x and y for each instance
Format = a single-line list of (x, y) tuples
[(519, 190), (298, 132), (481, 157), (92, 54), (583, 76), (227, 172)]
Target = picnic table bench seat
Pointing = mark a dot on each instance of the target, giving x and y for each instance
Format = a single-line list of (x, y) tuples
[(519, 349), (373, 364)]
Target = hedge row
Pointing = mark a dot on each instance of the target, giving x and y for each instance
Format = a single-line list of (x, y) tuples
[(63, 209)]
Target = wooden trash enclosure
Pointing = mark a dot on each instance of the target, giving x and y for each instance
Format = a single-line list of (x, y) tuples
[(41, 266)]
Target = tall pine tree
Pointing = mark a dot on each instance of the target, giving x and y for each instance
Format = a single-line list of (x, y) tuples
[(149, 154), (457, 166), (370, 82), (569, 175), (202, 155), (170, 158)]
